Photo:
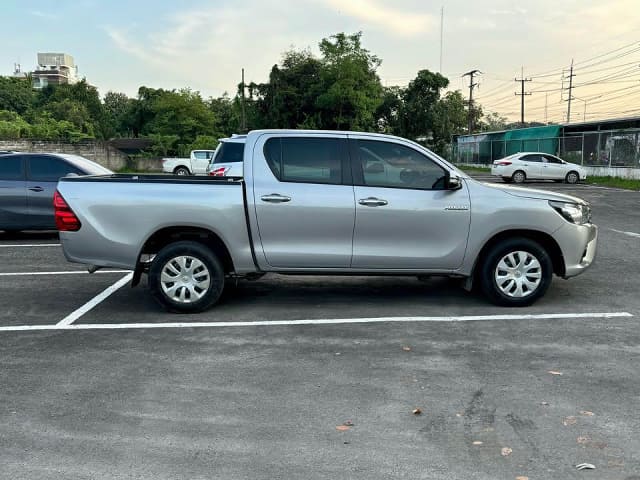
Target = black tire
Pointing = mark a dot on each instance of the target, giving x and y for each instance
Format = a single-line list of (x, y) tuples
[(506, 179), (490, 266), (572, 177), (518, 176), (169, 257), (182, 171)]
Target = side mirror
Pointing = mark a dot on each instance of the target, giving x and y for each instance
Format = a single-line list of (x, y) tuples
[(453, 182)]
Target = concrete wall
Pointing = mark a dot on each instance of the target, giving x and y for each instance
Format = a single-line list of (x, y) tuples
[(620, 172), (99, 152)]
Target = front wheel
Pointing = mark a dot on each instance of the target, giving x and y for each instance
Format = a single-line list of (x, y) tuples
[(516, 272), (186, 277)]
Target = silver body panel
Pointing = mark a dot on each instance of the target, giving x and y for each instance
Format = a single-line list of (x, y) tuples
[(321, 228), (118, 218)]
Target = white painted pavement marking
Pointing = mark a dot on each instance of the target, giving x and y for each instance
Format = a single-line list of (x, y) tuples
[(31, 245), (68, 272), (124, 326), (631, 234), (73, 316)]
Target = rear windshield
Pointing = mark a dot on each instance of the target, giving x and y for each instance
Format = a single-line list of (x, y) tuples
[(229, 152)]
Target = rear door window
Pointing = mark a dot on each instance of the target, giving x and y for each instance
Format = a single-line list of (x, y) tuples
[(532, 158), (306, 159), (11, 168), (44, 168)]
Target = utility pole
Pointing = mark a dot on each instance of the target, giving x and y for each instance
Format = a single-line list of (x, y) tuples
[(571, 75), (546, 100), (522, 94), (441, 35), (471, 87), (244, 115)]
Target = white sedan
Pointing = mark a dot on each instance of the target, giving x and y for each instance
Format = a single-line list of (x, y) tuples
[(537, 166)]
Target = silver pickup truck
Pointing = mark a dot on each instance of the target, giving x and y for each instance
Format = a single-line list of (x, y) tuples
[(321, 202)]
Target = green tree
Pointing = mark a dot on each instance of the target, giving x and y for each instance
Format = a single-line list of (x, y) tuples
[(117, 119), (86, 113), (73, 112), (13, 126), (492, 122), (288, 100), (351, 88), (450, 119), (389, 114), (420, 100), (16, 95)]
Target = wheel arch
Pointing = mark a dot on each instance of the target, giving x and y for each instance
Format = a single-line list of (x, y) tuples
[(545, 240), (182, 167), (165, 236)]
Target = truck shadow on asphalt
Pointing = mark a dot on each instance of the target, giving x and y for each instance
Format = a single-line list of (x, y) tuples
[(28, 236)]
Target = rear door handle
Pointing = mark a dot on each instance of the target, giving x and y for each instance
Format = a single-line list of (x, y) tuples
[(275, 198), (372, 202), (36, 189)]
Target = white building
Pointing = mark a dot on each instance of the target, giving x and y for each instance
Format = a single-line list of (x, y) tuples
[(54, 69)]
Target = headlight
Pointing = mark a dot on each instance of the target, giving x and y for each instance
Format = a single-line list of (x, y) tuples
[(573, 212)]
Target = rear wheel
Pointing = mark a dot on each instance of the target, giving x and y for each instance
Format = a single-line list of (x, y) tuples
[(186, 277), (182, 171), (572, 177), (519, 177), (516, 272)]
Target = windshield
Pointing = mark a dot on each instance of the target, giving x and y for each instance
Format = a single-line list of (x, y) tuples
[(88, 166)]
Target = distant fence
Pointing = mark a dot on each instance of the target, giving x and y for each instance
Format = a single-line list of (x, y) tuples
[(610, 149)]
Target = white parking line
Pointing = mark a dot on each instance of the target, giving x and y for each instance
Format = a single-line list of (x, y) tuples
[(630, 234), (66, 272), (73, 316), (31, 245), (322, 321)]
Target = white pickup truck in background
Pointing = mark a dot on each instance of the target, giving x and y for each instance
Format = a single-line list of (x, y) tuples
[(196, 164)]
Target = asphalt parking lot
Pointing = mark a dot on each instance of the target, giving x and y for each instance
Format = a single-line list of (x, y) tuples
[(314, 378)]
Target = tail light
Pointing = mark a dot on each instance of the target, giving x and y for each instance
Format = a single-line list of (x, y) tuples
[(504, 164), (219, 172), (66, 220)]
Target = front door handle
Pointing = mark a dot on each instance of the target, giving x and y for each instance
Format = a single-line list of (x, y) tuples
[(36, 189), (372, 202), (275, 198)]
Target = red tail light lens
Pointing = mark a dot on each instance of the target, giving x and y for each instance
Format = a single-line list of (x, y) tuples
[(219, 172), (66, 220), (503, 163)]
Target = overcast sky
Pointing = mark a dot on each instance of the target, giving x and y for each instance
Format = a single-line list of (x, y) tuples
[(204, 44)]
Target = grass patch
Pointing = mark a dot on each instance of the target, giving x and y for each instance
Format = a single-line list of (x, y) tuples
[(474, 169), (626, 183)]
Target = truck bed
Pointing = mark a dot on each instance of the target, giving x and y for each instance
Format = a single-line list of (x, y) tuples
[(120, 212)]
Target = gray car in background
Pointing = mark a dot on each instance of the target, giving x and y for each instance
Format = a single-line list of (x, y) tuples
[(28, 182)]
